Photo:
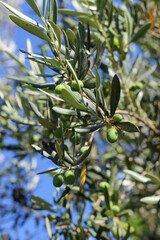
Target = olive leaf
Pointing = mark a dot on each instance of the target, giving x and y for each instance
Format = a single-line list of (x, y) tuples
[(115, 94), (33, 5), (141, 32), (151, 200), (30, 27), (64, 193), (127, 126), (74, 99)]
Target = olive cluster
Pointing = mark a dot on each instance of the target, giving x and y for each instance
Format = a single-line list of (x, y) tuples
[(75, 86), (68, 178), (112, 134)]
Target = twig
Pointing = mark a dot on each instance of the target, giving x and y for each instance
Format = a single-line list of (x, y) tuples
[(148, 124)]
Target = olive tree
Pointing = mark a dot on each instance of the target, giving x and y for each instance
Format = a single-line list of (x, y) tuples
[(90, 103)]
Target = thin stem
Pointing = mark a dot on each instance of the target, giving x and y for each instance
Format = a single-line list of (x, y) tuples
[(146, 122)]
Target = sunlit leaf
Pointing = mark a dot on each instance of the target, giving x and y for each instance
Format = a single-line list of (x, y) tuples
[(48, 226), (21, 15), (33, 5), (136, 176), (151, 200), (153, 178), (29, 27), (57, 31)]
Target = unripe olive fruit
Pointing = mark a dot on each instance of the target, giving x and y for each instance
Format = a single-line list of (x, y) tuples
[(59, 88), (112, 135), (115, 208), (69, 177), (75, 138), (116, 41), (139, 85), (66, 216), (58, 180), (104, 185), (136, 86), (58, 132), (117, 117), (83, 149), (75, 86)]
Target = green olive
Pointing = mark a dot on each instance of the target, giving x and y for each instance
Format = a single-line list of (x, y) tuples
[(59, 88), (104, 185), (117, 117), (112, 135), (115, 209), (69, 177), (75, 86), (75, 138), (139, 85), (58, 180), (134, 87), (116, 41), (83, 149)]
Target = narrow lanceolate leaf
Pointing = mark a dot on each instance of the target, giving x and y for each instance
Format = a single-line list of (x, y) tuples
[(55, 11), (71, 36), (29, 27), (57, 31), (82, 177), (33, 5), (16, 59), (129, 24), (141, 32), (48, 171), (21, 15), (83, 65), (151, 200), (89, 129), (66, 43), (82, 157), (127, 126), (44, 7), (110, 14), (115, 94), (98, 82), (64, 111), (71, 98), (59, 150), (153, 178), (82, 34), (48, 226), (136, 176), (64, 193)]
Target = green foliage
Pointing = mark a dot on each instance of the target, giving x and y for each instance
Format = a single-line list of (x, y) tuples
[(83, 83)]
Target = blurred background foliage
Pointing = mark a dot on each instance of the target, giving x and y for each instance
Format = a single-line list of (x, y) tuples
[(120, 39)]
